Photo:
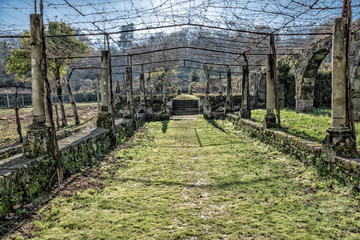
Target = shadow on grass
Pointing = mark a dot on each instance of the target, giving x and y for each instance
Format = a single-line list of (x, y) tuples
[(219, 182), (212, 122), (301, 134), (165, 125)]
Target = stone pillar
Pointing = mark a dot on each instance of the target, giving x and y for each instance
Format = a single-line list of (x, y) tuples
[(148, 101), (220, 84), (338, 139), (37, 140), (245, 103), (142, 92), (129, 111), (104, 116), (228, 103), (270, 117)]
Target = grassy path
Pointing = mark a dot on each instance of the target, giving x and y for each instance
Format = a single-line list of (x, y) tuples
[(190, 179)]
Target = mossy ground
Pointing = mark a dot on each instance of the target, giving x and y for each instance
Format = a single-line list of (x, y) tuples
[(310, 126), (186, 97), (198, 179)]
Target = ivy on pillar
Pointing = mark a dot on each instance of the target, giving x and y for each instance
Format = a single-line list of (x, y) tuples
[(270, 117), (129, 111), (104, 116), (339, 139), (245, 111), (38, 136)]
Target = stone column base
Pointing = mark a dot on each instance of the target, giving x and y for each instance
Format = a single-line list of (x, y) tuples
[(304, 106), (245, 113), (37, 141), (270, 120), (129, 112), (104, 120), (339, 142)]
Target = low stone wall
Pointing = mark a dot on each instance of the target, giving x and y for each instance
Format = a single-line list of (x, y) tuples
[(21, 178), (345, 170), (11, 151)]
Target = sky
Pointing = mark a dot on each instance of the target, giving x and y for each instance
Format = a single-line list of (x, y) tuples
[(94, 16)]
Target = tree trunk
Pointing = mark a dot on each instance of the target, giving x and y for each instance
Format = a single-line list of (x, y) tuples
[(59, 96), (18, 123), (47, 93), (72, 100)]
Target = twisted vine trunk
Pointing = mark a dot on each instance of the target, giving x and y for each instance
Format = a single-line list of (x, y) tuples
[(59, 95), (72, 100), (16, 107)]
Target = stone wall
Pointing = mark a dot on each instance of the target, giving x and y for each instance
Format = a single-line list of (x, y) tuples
[(22, 178), (345, 170)]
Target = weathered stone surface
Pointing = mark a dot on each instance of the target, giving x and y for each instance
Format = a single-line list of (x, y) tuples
[(339, 142), (245, 113), (37, 141), (104, 120), (129, 112), (270, 120)]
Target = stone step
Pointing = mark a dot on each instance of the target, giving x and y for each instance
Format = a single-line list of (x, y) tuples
[(185, 107), (186, 113)]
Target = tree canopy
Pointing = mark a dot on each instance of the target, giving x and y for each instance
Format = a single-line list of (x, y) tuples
[(19, 61)]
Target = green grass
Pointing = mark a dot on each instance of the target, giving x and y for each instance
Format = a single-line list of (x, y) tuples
[(192, 179), (310, 126), (186, 97)]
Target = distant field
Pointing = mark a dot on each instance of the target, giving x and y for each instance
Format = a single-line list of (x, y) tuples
[(8, 133)]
